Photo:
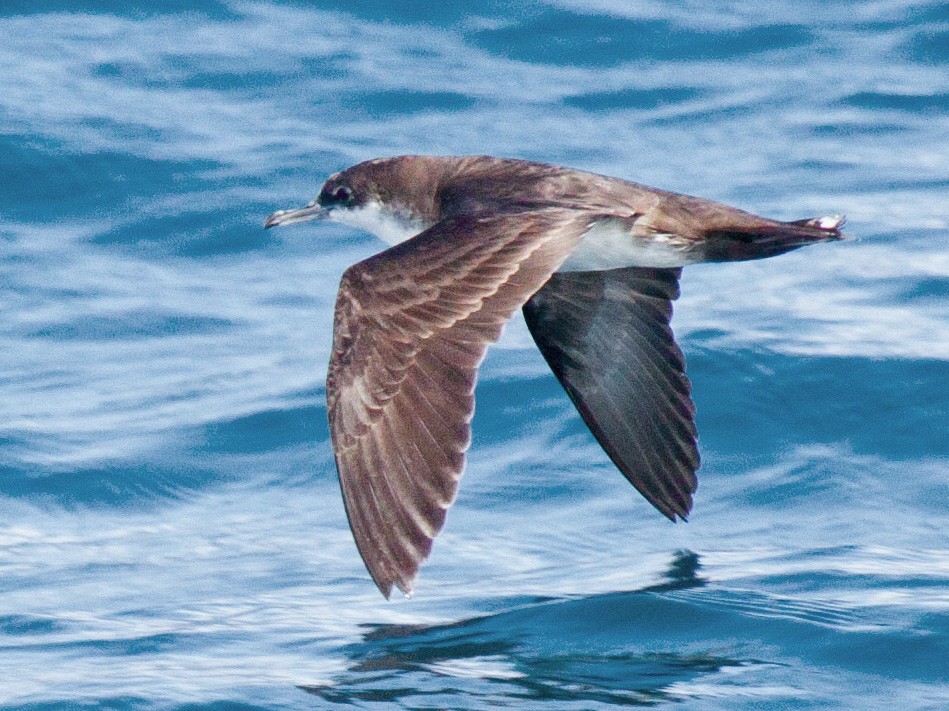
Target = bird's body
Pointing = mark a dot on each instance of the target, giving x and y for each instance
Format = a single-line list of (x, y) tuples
[(593, 260)]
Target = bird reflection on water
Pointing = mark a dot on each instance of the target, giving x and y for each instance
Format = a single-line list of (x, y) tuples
[(539, 650)]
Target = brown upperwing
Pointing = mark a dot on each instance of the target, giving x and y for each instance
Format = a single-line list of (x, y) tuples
[(412, 326)]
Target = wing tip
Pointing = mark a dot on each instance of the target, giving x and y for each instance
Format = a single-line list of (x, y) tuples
[(405, 584), (385, 589), (676, 507), (675, 514)]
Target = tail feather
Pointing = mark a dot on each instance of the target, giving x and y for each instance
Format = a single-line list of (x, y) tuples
[(770, 239), (830, 223)]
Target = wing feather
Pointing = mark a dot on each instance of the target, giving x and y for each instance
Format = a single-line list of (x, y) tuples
[(412, 326), (607, 338)]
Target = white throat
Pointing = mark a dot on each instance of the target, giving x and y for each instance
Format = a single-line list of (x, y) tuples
[(374, 218)]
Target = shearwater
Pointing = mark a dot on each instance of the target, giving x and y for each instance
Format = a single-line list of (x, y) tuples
[(594, 262)]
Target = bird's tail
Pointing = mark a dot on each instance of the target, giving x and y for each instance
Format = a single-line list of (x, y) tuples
[(771, 238)]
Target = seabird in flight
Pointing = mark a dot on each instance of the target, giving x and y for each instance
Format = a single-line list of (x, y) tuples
[(593, 261)]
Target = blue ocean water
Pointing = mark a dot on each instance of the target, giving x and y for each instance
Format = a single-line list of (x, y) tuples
[(171, 531)]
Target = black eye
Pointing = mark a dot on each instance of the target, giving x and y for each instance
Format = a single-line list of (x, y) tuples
[(342, 194)]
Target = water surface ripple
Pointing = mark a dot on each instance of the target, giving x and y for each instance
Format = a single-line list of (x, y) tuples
[(171, 532)]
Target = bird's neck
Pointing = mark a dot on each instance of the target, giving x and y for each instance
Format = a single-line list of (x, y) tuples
[(389, 226)]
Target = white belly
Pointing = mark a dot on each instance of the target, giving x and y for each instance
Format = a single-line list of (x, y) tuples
[(610, 244)]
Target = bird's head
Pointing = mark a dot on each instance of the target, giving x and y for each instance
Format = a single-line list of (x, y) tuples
[(392, 198)]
